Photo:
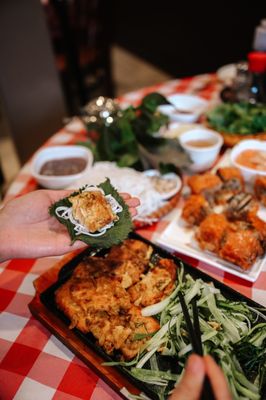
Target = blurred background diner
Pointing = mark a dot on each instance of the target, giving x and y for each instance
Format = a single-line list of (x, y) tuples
[(56, 55)]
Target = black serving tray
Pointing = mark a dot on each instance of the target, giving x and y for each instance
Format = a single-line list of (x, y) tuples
[(48, 300)]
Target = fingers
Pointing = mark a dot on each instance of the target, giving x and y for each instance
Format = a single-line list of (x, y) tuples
[(131, 201), (190, 386), (78, 245), (133, 212), (217, 379)]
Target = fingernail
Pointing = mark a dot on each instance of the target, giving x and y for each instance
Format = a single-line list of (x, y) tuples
[(195, 363)]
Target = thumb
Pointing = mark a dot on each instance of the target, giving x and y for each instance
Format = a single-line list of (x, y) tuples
[(190, 386)]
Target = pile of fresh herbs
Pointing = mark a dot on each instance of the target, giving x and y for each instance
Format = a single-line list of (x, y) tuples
[(238, 118), (133, 138)]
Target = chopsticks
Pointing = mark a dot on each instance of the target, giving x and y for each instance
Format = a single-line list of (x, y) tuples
[(195, 338)]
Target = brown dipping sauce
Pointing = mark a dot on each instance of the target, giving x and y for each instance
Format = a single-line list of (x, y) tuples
[(63, 166), (201, 142)]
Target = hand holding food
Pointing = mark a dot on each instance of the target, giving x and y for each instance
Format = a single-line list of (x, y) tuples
[(27, 229), (96, 215)]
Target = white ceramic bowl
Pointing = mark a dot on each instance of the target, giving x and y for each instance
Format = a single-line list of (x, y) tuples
[(55, 153), (202, 157), (193, 107), (171, 176), (249, 174)]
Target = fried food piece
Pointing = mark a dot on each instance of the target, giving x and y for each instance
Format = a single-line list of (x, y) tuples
[(241, 207), (129, 272), (92, 210), (241, 247), (260, 226), (138, 325), (132, 260), (199, 184), (260, 189), (119, 333), (233, 183), (70, 307), (195, 209), (131, 249), (211, 232), (155, 285), (93, 267), (101, 306), (86, 301), (95, 299)]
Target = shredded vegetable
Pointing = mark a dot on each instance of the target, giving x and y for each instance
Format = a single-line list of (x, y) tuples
[(230, 332)]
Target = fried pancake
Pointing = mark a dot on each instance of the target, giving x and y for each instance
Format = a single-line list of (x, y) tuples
[(92, 210), (131, 249), (155, 285), (138, 325), (95, 298)]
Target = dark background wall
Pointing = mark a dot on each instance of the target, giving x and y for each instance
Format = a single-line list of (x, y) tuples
[(187, 37)]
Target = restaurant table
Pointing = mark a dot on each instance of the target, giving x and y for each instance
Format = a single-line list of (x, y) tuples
[(34, 364)]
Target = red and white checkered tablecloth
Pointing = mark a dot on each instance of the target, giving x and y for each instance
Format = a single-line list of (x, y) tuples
[(33, 363)]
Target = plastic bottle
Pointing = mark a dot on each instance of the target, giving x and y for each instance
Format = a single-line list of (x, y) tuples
[(257, 68), (259, 40)]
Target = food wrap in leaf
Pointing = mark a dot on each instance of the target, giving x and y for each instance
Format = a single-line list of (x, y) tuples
[(114, 235)]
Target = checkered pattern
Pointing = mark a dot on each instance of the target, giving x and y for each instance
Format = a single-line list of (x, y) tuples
[(33, 363)]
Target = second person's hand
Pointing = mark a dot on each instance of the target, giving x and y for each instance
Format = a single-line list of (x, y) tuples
[(191, 384)]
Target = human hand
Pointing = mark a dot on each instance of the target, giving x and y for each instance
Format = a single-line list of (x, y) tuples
[(28, 231), (191, 384)]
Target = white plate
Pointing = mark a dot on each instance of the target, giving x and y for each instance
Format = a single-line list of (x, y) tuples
[(180, 238), (172, 176), (193, 107)]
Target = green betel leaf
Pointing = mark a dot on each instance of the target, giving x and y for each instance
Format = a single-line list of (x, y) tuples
[(115, 235), (152, 100)]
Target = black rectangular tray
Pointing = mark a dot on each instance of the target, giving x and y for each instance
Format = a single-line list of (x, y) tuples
[(48, 299)]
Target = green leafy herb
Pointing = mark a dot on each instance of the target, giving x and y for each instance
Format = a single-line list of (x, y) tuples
[(132, 139), (112, 236), (238, 118)]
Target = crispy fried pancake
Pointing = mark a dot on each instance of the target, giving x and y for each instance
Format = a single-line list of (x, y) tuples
[(96, 298), (92, 210), (155, 285), (131, 249)]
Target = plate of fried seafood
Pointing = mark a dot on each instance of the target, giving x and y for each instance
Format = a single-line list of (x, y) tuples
[(123, 303), (221, 222)]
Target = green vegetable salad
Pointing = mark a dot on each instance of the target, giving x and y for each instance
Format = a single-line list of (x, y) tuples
[(238, 118)]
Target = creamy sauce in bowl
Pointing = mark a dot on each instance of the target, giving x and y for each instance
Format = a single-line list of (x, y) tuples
[(253, 159)]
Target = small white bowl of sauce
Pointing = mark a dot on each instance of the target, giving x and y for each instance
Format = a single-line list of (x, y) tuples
[(203, 147), (250, 157), (184, 108), (56, 167)]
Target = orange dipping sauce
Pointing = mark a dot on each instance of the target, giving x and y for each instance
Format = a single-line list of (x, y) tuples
[(254, 159)]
